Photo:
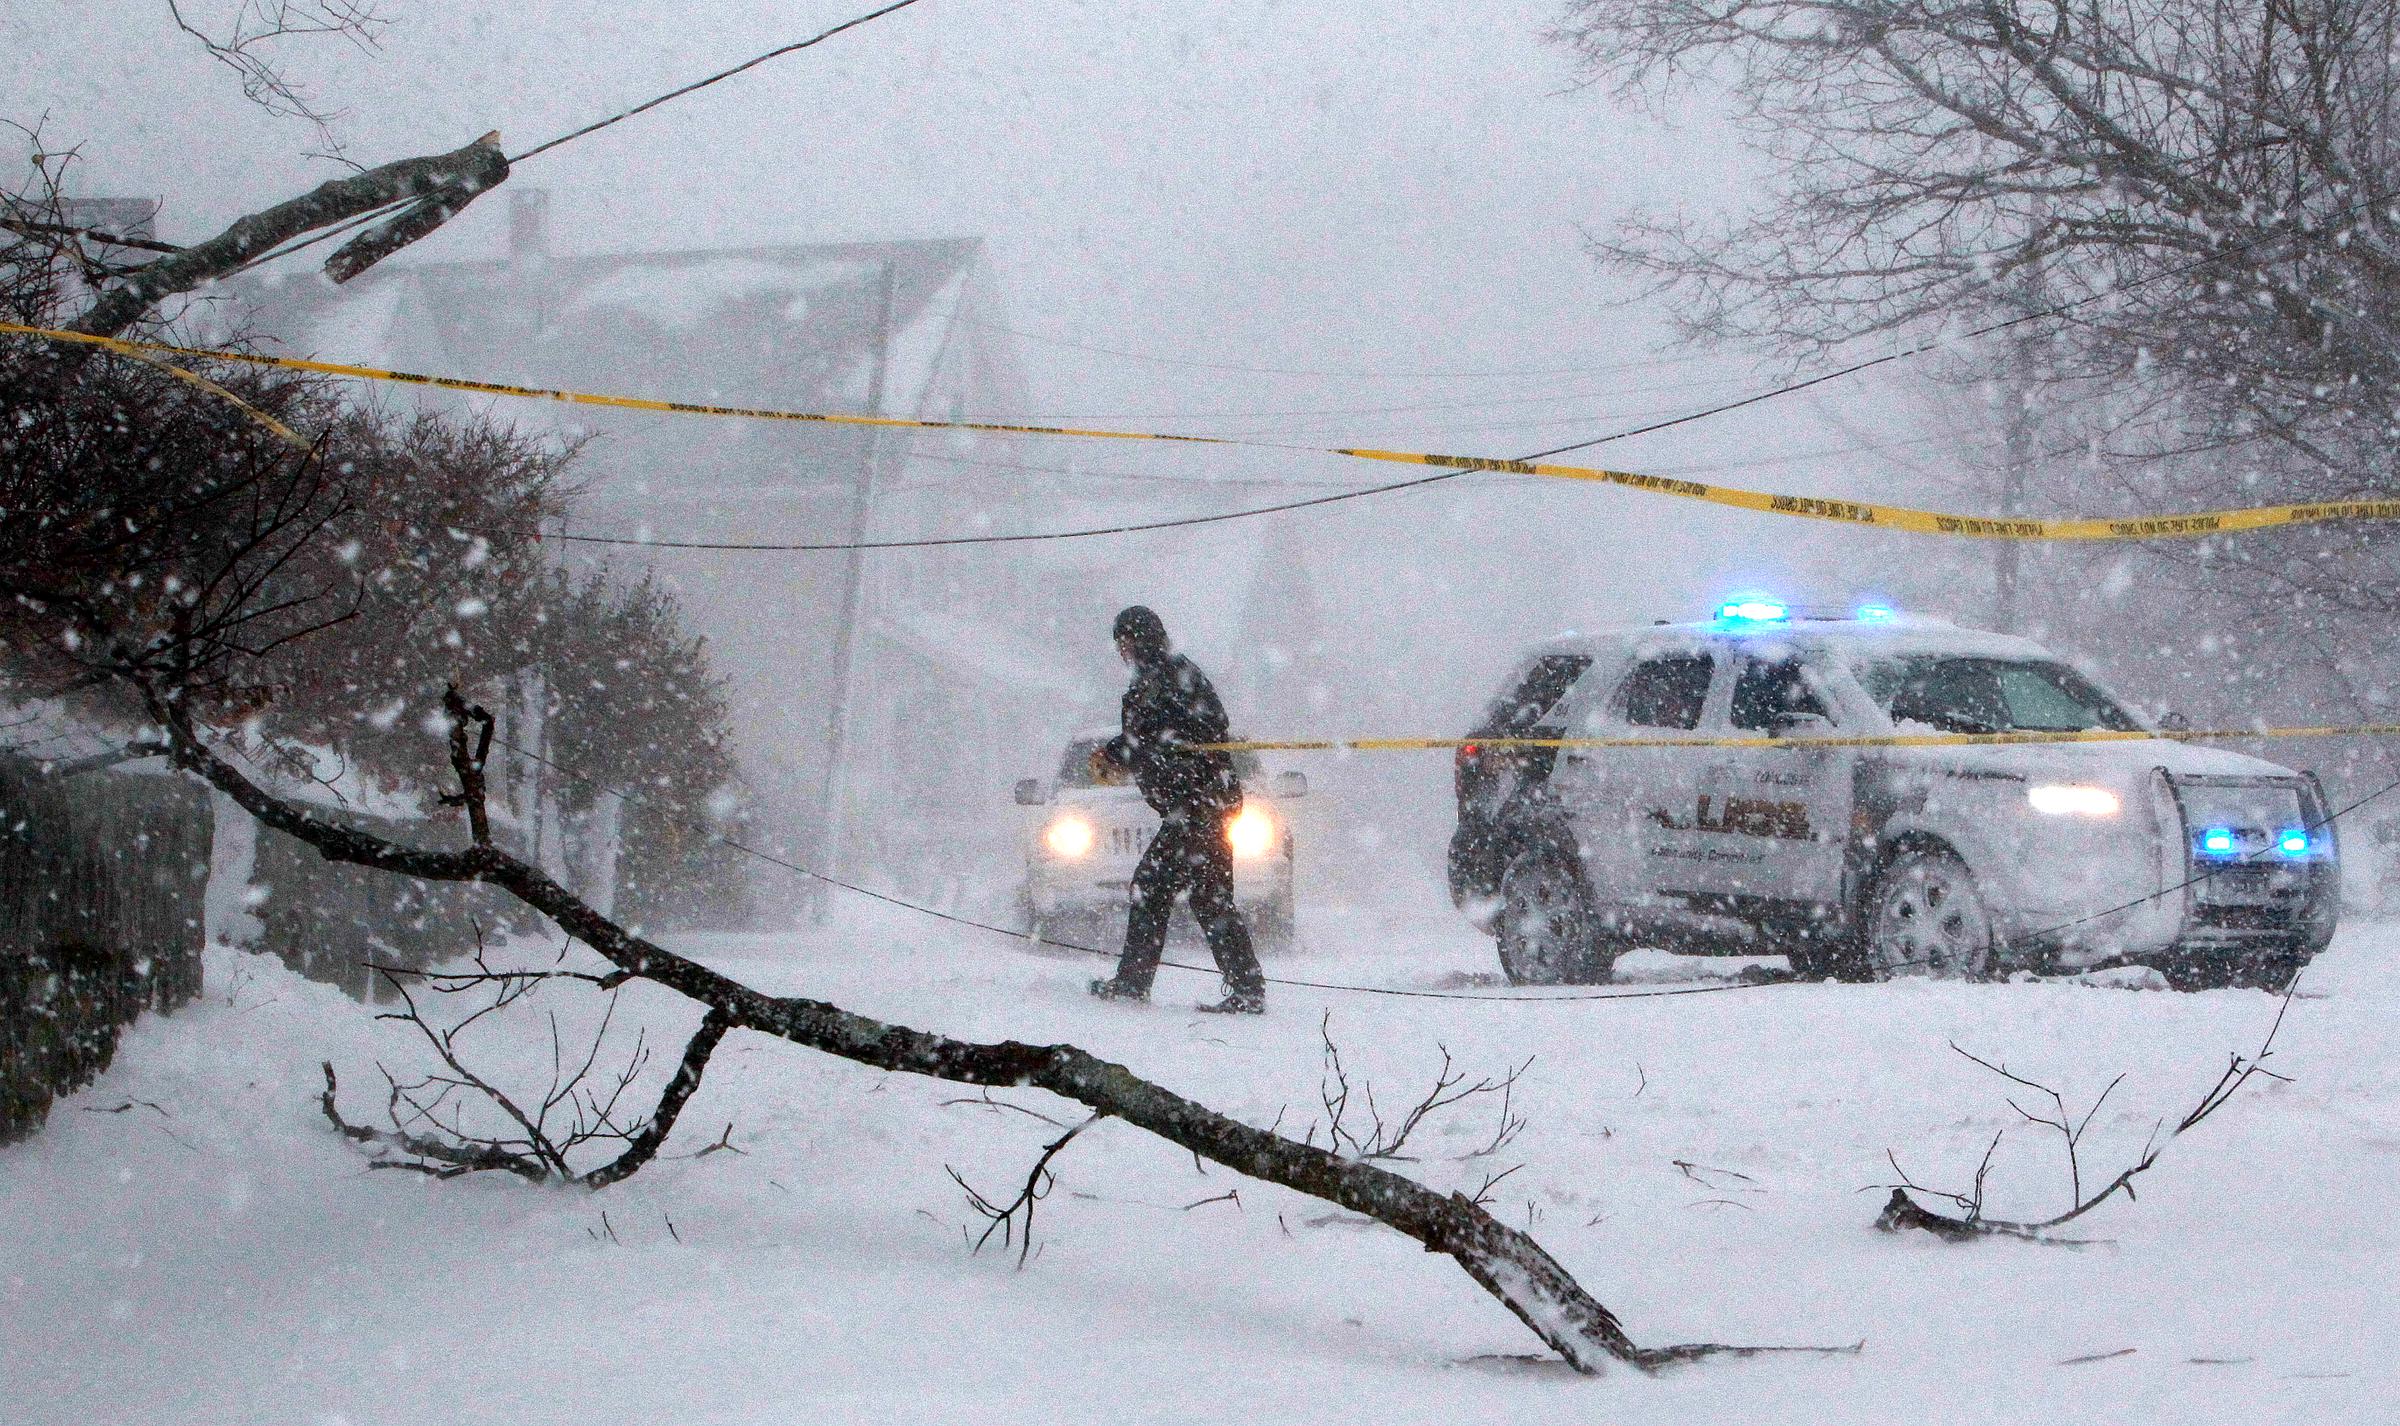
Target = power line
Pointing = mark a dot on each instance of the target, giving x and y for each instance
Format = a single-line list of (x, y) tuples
[(1012, 933), (2246, 859), (646, 105), (670, 96), (1283, 507), (942, 541), (1156, 360)]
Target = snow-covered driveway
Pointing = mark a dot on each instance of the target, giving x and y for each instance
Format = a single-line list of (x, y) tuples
[(1705, 1164)]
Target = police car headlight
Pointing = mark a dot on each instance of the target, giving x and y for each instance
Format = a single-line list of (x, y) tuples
[(1069, 837), (1252, 832), (2068, 799)]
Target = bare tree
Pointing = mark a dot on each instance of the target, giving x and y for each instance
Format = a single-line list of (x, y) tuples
[(245, 41), (2209, 188), (2215, 182)]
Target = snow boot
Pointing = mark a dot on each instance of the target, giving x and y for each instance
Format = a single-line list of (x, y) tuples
[(1111, 988), (1252, 1002)]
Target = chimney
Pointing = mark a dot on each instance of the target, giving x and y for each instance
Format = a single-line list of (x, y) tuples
[(528, 225)]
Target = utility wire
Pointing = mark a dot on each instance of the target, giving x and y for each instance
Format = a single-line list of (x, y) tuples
[(2246, 859), (1283, 507), (1012, 933), (567, 138), (670, 96), (2329, 819)]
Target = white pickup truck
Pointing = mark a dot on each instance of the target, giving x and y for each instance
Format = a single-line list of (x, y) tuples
[(1084, 838), (1869, 862)]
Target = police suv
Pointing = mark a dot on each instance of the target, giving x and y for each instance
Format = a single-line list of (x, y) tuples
[(1083, 843), (1876, 861)]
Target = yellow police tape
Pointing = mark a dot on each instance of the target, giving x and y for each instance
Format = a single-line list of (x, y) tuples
[(1867, 740), (1850, 512)]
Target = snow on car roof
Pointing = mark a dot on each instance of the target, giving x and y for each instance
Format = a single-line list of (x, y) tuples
[(1899, 634)]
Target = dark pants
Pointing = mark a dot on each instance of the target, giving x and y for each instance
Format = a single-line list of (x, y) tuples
[(1189, 852)]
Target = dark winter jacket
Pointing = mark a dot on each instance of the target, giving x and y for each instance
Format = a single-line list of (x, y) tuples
[(1171, 706)]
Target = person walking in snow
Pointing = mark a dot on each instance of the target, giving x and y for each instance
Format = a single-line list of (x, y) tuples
[(1170, 707)]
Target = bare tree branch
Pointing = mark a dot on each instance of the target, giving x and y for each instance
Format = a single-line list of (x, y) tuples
[(1901, 1212)]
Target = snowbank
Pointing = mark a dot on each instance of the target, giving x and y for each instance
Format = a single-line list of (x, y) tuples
[(210, 1252)]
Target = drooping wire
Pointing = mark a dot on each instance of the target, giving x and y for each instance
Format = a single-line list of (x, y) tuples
[(1283, 507), (2246, 859), (1013, 933)]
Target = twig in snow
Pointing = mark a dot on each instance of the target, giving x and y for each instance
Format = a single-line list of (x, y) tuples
[(1004, 1219), (1900, 1212)]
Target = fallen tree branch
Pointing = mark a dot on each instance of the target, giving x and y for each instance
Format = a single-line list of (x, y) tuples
[(1901, 1212), (1505, 1262)]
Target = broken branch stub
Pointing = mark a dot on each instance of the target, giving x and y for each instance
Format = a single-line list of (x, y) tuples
[(448, 179)]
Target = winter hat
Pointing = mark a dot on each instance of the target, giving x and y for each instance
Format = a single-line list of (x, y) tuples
[(1142, 627)]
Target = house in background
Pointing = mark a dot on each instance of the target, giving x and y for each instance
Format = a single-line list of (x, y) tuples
[(928, 715)]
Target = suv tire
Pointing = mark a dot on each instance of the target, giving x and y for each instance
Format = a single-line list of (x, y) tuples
[(1924, 916), (1825, 952), (1547, 931)]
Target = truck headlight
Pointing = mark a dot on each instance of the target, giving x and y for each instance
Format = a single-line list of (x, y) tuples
[(1252, 832), (1069, 836), (2069, 799)]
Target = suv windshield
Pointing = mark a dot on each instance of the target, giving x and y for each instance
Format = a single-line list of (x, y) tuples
[(1988, 695), (1075, 767)]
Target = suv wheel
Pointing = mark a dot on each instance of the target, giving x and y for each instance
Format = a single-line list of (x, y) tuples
[(1925, 917), (1546, 929)]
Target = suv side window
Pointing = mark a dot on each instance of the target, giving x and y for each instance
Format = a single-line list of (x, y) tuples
[(1768, 695), (1520, 708), (1668, 691)]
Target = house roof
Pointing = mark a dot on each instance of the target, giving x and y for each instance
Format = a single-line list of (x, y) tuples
[(795, 325)]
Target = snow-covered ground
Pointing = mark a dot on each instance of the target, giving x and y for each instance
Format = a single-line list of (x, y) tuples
[(1705, 1164)]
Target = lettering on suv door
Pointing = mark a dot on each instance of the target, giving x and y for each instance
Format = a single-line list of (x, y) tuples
[(1743, 817)]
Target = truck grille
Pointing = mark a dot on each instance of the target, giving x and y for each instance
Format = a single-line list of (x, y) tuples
[(2242, 882), (1126, 841)]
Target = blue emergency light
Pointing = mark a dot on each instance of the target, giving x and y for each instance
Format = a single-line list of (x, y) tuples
[(1753, 609), (2294, 842), (1875, 614), (2220, 842)]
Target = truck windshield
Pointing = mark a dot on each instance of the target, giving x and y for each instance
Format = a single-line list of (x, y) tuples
[(1989, 695)]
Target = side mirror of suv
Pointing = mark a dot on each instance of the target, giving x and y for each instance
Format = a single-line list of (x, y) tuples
[(1030, 793), (2171, 722), (1288, 784)]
